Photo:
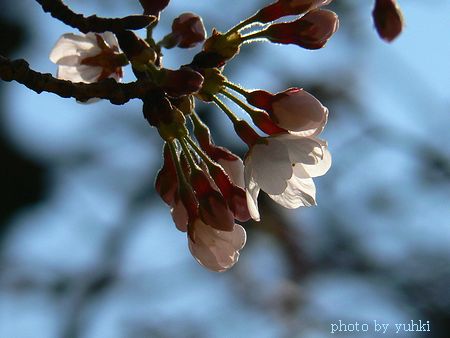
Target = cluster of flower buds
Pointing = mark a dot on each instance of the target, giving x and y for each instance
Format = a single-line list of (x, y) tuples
[(207, 187)]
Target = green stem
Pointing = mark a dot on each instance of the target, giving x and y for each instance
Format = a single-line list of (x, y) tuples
[(249, 110), (241, 25), (176, 160), (200, 152), (236, 88), (254, 35), (187, 151), (226, 110)]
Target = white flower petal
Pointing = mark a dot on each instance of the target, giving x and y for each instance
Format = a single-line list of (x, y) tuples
[(271, 166), (305, 150), (251, 191), (235, 170), (214, 249), (298, 111), (321, 167), (71, 45), (83, 73), (110, 39), (299, 192)]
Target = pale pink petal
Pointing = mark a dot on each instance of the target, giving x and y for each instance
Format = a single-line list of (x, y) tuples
[(299, 192), (305, 150), (252, 192), (321, 167), (110, 39), (299, 111), (235, 170), (214, 249), (180, 216), (271, 166), (81, 73), (70, 48)]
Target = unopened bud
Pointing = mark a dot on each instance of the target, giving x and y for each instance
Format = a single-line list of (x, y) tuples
[(188, 30), (312, 31), (388, 19), (184, 81), (283, 8)]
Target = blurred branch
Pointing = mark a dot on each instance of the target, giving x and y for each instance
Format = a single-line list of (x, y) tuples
[(109, 89), (62, 12)]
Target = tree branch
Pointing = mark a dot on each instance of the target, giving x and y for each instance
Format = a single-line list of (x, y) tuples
[(60, 11), (109, 89)]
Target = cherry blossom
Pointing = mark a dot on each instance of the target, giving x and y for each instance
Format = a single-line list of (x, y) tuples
[(215, 249), (283, 166), (294, 109), (88, 58)]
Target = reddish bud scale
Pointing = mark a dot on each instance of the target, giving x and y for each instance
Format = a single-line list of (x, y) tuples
[(184, 81), (234, 195), (212, 206), (312, 31), (217, 153), (388, 19), (246, 133), (282, 8), (222, 180), (266, 123), (190, 202), (166, 183), (200, 183)]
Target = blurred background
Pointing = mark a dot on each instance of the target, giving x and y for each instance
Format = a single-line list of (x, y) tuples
[(87, 249)]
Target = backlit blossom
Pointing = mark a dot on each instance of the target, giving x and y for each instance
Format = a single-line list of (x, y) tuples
[(88, 58), (283, 166), (215, 249), (294, 109), (311, 31)]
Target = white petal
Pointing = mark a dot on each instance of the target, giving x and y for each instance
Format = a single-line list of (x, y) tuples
[(116, 77), (83, 73), (70, 47), (110, 39), (321, 167), (314, 129), (252, 192), (235, 170), (271, 166), (299, 111), (239, 237), (305, 150), (299, 192), (216, 250)]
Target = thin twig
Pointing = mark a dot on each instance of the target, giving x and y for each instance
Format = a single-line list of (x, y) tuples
[(109, 89), (93, 23)]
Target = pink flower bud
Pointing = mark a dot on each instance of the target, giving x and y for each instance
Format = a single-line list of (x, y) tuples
[(312, 31), (294, 109), (188, 30), (388, 19), (288, 7)]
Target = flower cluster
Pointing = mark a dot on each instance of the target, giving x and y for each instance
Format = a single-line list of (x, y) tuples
[(207, 187)]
